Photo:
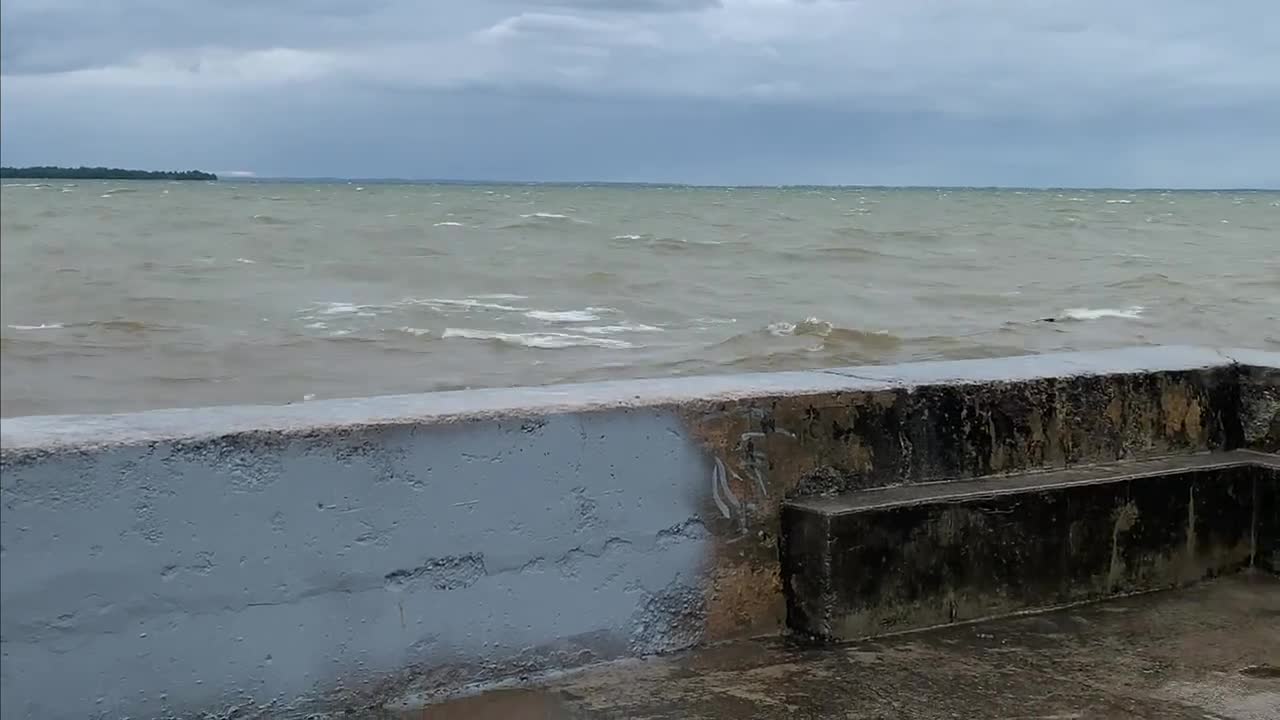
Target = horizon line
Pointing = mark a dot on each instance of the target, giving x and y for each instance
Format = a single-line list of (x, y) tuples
[(727, 186)]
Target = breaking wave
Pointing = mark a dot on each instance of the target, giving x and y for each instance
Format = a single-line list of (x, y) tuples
[(539, 340), (1133, 312)]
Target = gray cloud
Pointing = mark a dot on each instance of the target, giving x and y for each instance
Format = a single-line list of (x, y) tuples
[(1151, 75)]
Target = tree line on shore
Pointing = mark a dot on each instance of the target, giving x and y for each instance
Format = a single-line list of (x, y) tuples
[(50, 172)]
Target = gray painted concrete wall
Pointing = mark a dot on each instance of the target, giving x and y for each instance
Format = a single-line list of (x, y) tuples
[(279, 560)]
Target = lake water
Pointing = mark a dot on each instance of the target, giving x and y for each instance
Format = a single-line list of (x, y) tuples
[(125, 296)]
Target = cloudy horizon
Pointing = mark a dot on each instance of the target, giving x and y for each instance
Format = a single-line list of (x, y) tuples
[(724, 92)]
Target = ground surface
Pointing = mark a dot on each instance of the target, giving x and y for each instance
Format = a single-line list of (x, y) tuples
[(1212, 651)]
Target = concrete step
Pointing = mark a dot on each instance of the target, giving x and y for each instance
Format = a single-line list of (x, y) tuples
[(894, 559)]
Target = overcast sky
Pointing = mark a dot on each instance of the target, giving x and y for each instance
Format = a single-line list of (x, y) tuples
[(1162, 93)]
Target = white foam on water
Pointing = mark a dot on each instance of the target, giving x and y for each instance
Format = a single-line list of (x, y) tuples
[(808, 326), (346, 308), (1119, 202), (448, 223), (41, 326), (1133, 312), (316, 325), (419, 332), (624, 327), (339, 308), (465, 304), (246, 261), (541, 341), (628, 237), (546, 216), (562, 316), (501, 296)]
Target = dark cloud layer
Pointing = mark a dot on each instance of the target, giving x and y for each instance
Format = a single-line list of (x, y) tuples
[(1151, 92)]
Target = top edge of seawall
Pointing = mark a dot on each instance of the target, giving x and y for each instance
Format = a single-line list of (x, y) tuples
[(42, 433)]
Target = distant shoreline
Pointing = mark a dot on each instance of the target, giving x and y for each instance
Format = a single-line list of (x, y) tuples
[(50, 172)]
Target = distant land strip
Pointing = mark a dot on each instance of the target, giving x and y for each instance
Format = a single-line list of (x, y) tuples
[(49, 172)]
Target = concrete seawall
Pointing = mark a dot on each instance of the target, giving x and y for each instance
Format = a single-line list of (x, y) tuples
[(269, 561)]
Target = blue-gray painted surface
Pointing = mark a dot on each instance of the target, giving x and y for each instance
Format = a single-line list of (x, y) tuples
[(269, 572)]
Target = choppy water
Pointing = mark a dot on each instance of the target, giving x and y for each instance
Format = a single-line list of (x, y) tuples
[(123, 296)]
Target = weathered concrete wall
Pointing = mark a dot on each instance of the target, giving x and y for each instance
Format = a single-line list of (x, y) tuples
[(914, 556), (250, 561)]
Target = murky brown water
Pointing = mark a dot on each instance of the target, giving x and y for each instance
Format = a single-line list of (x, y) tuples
[(125, 296)]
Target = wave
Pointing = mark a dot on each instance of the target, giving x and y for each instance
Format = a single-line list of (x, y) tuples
[(562, 316), (544, 220), (463, 304), (808, 326), (246, 261), (417, 332), (1119, 202), (41, 326), (664, 243), (448, 223), (128, 326), (1133, 312), (270, 220), (119, 191), (1147, 281), (623, 327), (345, 308), (828, 332), (842, 252), (539, 340)]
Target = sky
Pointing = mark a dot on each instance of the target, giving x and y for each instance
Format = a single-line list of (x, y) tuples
[(1137, 93)]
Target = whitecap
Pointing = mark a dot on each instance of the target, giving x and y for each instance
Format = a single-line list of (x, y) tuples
[(466, 304), (501, 296), (41, 326), (542, 341), (624, 327), (420, 332), (246, 261), (562, 316), (316, 325), (1133, 312), (448, 223), (1119, 202), (545, 216), (808, 326), (628, 237), (345, 308)]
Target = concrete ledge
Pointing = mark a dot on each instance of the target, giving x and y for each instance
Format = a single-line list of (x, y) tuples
[(896, 559), (278, 561), (47, 432)]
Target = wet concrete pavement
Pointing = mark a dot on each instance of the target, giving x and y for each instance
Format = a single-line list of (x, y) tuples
[(1212, 651)]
